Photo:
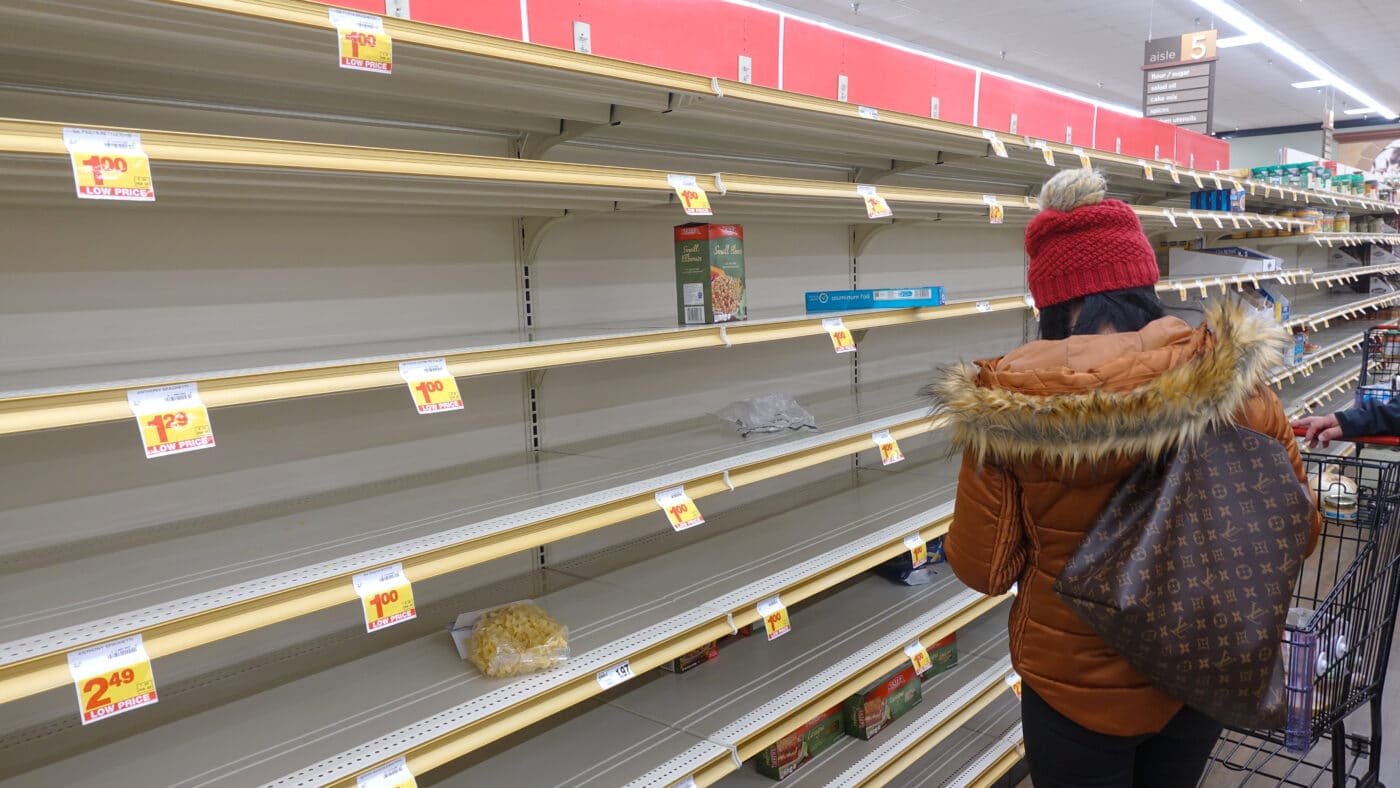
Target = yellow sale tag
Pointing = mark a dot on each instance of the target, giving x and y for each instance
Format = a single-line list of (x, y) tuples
[(918, 657), (431, 385), (918, 549), (1047, 154), (680, 510), (998, 147), (1083, 158), (1171, 170), (364, 46), (775, 618), (172, 419), (996, 212), (889, 447), (112, 678), (694, 200), (1216, 177), (1013, 680), (394, 774), (109, 165), (875, 205), (841, 338), (1146, 169), (387, 597), (1197, 176)]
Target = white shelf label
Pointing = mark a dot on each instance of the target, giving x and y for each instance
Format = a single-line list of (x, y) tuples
[(394, 774), (615, 675), (998, 147), (112, 678), (918, 549), (869, 113), (889, 447)]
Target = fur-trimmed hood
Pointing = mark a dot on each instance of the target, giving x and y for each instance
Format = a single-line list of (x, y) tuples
[(1089, 398)]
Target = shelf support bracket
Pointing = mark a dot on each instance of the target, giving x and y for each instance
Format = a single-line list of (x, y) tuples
[(535, 229), (534, 144), (875, 174), (863, 233)]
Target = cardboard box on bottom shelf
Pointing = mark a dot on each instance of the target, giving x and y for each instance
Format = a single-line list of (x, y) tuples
[(789, 753), (710, 284), (887, 699)]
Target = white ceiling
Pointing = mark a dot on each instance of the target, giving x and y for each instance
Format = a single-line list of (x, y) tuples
[(1095, 47)]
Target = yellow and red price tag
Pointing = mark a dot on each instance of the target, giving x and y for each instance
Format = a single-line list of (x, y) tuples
[(875, 205), (172, 419), (1171, 170), (680, 510), (1013, 680), (694, 200), (394, 774), (387, 597), (775, 618), (1045, 152), (918, 549), (1196, 176), (109, 165), (1083, 158), (889, 447), (841, 338), (996, 212), (1146, 169), (112, 678), (1215, 176), (364, 46), (432, 386), (998, 147), (918, 657)]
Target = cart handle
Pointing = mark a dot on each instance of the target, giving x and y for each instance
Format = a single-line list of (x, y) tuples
[(1379, 440)]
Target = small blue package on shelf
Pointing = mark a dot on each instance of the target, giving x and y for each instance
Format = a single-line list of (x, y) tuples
[(882, 298), (901, 568)]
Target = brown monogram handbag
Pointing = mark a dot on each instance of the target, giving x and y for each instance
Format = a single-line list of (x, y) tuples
[(1188, 572)]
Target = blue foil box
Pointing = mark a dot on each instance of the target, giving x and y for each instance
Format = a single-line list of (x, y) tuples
[(883, 298)]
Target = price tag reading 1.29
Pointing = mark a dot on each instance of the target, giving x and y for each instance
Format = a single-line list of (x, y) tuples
[(394, 774), (889, 447), (680, 510), (387, 597), (172, 419), (364, 46), (841, 338), (775, 618), (112, 678), (109, 165), (694, 200), (433, 388)]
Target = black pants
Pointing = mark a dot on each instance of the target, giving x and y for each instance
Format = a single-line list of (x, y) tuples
[(1064, 754)]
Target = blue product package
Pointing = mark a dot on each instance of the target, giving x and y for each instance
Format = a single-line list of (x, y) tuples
[(883, 298), (901, 568)]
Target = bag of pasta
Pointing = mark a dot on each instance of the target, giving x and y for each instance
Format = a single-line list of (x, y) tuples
[(511, 640)]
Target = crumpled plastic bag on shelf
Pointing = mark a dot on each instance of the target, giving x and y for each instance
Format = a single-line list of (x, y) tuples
[(767, 413), (511, 639)]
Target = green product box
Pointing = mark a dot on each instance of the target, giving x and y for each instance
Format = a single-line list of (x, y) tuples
[(883, 702), (710, 285), (789, 753)]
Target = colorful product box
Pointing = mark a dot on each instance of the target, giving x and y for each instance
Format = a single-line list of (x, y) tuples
[(943, 655), (789, 753), (1228, 200), (710, 284), (693, 659), (890, 697), (882, 298)]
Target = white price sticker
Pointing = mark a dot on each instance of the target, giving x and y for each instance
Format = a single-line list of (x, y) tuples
[(1146, 169), (615, 675), (109, 165), (983, 306), (996, 213), (775, 617), (172, 419), (112, 678), (869, 113), (694, 200), (680, 510), (875, 205), (386, 595), (841, 338), (918, 549), (432, 386), (1013, 680), (394, 774), (364, 44), (1083, 158), (918, 657), (998, 147), (1045, 152), (1170, 214), (889, 447), (1196, 220)]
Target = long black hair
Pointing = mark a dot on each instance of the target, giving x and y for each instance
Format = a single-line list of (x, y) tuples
[(1122, 310)]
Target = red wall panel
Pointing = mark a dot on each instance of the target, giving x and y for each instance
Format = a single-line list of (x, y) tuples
[(1211, 153), (1141, 137), (699, 36), (1039, 113), (880, 76), (492, 17)]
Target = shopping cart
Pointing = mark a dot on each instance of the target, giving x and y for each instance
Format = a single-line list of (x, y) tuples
[(1380, 364), (1338, 638)]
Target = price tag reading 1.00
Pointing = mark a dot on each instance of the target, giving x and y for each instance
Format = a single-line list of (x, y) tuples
[(841, 338), (364, 46), (109, 165), (679, 509), (918, 550), (694, 200), (112, 678), (918, 657), (996, 212), (875, 205), (775, 618), (433, 388), (394, 774), (387, 597), (172, 419), (889, 447)]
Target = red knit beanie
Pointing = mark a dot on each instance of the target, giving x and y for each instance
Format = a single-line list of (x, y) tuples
[(1081, 243)]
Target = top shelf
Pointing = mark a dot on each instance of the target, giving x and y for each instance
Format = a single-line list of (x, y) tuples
[(276, 58)]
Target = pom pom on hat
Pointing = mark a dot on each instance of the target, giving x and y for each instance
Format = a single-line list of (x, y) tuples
[(1071, 189)]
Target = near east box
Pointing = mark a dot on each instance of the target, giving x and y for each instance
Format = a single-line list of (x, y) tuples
[(883, 702), (710, 276), (790, 752), (884, 298)]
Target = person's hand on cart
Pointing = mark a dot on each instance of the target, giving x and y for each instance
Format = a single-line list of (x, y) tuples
[(1318, 430)]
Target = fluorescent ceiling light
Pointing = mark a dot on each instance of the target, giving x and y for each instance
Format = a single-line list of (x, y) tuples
[(1233, 16), (1360, 110), (1236, 41), (1312, 83)]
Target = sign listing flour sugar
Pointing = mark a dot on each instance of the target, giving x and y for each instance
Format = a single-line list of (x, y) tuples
[(1178, 82)]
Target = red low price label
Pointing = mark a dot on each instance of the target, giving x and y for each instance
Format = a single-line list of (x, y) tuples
[(918, 550), (694, 200), (889, 447), (841, 338), (918, 657), (775, 618), (172, 419), (109, 165), (680, 511), (112, 678), (387, 597), (431, 385), (364, 46)]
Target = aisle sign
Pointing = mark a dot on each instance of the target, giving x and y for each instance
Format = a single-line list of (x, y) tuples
[(996, 212), (112, 678), (889, 447), (615, 675), (679, 509), (364, 46), (172, 419), (918, 550), (431, 385), (109, 165), (394, 774), (1083, 158), (387, 597), (694, 200), (1013, 680), (998, 147), (840, 337), (875, 205), (1178, 85), (918, 657), (775, 618)]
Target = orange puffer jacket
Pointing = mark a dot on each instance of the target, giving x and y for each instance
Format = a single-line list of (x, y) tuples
[(1048, 432)]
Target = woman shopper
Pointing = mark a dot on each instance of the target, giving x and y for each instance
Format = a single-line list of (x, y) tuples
[(1049, 431)]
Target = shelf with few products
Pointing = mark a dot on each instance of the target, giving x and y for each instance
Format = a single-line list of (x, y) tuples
[(1285, 196), (1187, 287), (643, 604), (1314, 311), (699, 723), (1337, 386), (1334, 344), (1354, 273)]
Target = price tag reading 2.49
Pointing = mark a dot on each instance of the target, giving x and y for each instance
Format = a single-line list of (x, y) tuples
[(364, 46), (109, 165), (433, 388), (112, 678), (172, 419), (680, 510), (387, 597), (775, 618)]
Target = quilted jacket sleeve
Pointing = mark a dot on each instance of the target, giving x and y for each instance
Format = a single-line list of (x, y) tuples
[(986, 543), (1264, 413)]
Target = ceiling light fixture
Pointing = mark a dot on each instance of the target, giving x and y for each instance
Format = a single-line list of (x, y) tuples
[(1312, 83), (1227, 12), (1236, 41)]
